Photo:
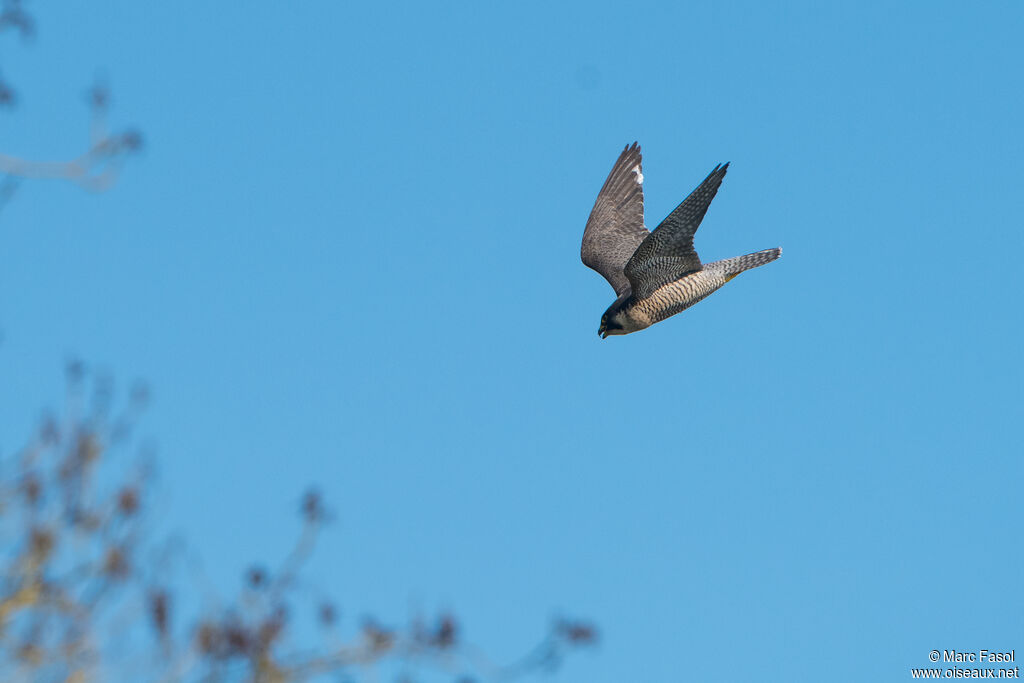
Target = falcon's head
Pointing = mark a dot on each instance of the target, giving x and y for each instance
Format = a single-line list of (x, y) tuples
[(614, 320)]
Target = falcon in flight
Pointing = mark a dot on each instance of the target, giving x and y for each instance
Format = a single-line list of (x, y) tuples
[(654, 274)]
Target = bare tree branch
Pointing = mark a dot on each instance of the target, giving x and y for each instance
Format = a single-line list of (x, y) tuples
[(75, 580), (97, 168)]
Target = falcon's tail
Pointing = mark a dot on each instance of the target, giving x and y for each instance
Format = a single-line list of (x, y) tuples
[(737, 264)]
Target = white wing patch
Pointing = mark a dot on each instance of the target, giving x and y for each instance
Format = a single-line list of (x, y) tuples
[(639, 175)]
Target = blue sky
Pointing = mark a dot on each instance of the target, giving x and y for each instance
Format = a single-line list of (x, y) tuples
[(349, 256)]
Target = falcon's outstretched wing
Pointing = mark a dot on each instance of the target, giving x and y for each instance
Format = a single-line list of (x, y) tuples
[(667, 253), (616, 224)]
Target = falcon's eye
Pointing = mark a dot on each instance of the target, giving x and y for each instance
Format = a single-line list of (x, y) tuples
[(604, 319)]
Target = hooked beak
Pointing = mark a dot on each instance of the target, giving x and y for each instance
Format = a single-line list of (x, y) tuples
[(601, 333)]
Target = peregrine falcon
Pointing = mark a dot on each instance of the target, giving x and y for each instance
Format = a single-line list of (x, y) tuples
[(654, 274)]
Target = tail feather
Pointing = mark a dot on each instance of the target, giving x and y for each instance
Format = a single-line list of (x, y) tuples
[(736, 265)]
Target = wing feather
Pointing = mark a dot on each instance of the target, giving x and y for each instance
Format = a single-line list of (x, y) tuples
[(667, 253), (616, 224)]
